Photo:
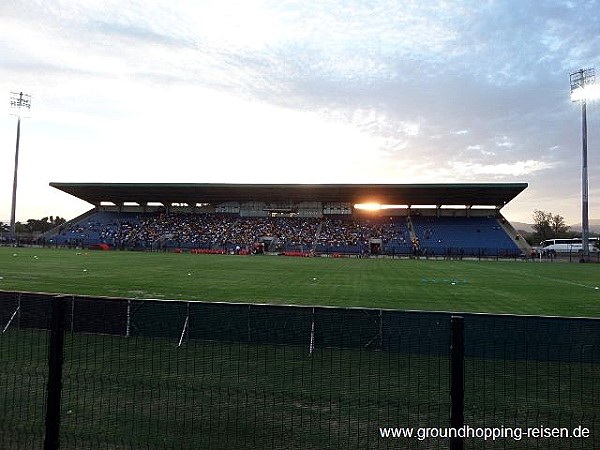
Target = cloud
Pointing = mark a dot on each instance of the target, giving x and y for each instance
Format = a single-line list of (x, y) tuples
[(505, 142), (500, 170)]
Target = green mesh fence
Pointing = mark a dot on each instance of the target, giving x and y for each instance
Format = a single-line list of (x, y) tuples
[(190, 375), (533, 373), (23, 370)]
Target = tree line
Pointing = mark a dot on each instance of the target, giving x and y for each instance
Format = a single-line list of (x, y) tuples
[(34, 225)]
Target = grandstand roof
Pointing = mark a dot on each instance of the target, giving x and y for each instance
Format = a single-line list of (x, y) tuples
[(470, 194)]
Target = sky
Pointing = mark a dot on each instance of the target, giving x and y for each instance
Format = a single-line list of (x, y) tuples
[(307, 91)]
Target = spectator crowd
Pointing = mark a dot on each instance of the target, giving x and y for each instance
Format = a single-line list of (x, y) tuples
[(226, 231)]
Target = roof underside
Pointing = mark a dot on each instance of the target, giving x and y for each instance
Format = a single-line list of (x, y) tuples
[(495, 194)]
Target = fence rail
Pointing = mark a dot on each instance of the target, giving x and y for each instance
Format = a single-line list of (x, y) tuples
[(121, 373)]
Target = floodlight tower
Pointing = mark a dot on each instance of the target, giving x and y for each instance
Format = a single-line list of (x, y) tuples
[(583, 88), (19, 103)]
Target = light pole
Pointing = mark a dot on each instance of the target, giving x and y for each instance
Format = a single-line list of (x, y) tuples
[(583, 88), (19, 103)]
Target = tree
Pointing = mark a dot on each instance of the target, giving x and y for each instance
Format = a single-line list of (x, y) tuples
[(44, 224), (541, 225), (559, 228), (548, 226), (35, 225)]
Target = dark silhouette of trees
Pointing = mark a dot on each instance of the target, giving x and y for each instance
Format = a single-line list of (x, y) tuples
[(38, 225), (547, 225)]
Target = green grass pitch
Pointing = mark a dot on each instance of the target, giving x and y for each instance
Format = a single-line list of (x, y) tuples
[(508, 287), (143, 392)]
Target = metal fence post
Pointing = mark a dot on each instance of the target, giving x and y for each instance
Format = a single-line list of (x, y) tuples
[(55, 361), (457, 384)]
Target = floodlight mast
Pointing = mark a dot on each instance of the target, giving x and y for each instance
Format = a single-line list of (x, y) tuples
[(19, 102), (581, 81)]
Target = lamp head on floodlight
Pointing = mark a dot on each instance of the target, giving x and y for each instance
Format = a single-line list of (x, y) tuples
[(20, 104), (583, 85)]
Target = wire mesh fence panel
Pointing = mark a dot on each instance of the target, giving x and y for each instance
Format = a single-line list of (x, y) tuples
[(330, 390), (168, 386), (23, 370), (536, 380)]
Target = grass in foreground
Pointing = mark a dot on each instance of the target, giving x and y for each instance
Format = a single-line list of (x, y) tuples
[(510, 287)]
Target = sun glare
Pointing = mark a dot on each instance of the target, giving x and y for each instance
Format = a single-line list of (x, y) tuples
[(368, 206)]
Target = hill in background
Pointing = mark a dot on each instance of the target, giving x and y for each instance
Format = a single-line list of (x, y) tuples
[(528, 227)]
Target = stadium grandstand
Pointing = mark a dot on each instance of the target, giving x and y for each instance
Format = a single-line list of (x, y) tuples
[(437, 220)]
